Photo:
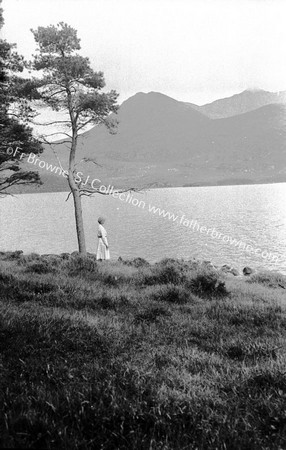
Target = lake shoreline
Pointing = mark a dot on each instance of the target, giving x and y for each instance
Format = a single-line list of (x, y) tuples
[(138, 262), (39, 190)]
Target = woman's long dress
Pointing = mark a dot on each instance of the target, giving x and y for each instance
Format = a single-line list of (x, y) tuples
[(102, 251)]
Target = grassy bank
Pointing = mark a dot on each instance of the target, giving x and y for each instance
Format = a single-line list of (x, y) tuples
[(124, 355)]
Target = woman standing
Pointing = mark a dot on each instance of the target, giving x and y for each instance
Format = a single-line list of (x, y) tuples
[(102, 248)]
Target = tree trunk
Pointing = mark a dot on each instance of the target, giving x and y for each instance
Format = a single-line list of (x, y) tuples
[(77, 199), (78, 220)]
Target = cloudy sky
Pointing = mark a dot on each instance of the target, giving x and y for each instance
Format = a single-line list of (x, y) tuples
[(192, 50)]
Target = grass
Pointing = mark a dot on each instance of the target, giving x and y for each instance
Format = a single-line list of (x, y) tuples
[(128, 355)]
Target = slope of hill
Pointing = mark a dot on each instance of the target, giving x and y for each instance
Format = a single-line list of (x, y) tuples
[(174, 352), (161, 140), (243, 102), (152, 127)]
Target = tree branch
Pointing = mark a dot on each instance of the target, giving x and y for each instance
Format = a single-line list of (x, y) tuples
[(51, 123), (89, 192)]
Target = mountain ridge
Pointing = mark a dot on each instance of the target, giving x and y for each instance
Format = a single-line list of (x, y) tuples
[(245, 101), (163, 140)]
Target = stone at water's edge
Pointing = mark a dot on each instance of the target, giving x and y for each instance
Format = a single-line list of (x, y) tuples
[(228, 269), (234, 272), (247, 271)]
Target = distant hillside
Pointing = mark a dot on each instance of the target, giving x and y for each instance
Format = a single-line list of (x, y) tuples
[(152, 128), (161, 140), (243, 102)]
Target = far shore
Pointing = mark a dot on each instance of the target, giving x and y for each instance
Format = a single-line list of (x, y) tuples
[(59, 189)]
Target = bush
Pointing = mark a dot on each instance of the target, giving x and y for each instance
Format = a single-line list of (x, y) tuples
[(41, 267), (168, 274), (22, 290), (136, 262), (168, 262), (25, 259), (11, 256), (208, 284), (172, 294), (166, 271), (81, 265)]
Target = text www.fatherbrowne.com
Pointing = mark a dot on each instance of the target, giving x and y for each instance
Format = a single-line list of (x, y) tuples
[(181, 220), (213, 233), (192, 225)]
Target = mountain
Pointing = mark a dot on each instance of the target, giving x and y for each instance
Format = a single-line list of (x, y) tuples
[(165, 141), (246, 101), (152, 127)]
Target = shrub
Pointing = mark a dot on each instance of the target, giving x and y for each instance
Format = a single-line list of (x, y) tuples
[(207, 284), (171, 293), (166, 271), (81, 265), (25, 259), (6, 279), (41, 267), (112, 301), (11, 256), (167, 274), (168, 262), (136, 262), (22, 290)]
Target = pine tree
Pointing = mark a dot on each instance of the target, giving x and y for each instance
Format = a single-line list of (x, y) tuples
[(16, 139), (69, 84)]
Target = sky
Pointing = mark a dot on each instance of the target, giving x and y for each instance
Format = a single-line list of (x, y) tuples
[(191, 50)]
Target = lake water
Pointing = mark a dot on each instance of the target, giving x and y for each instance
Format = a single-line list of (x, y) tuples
[(254, 215)]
